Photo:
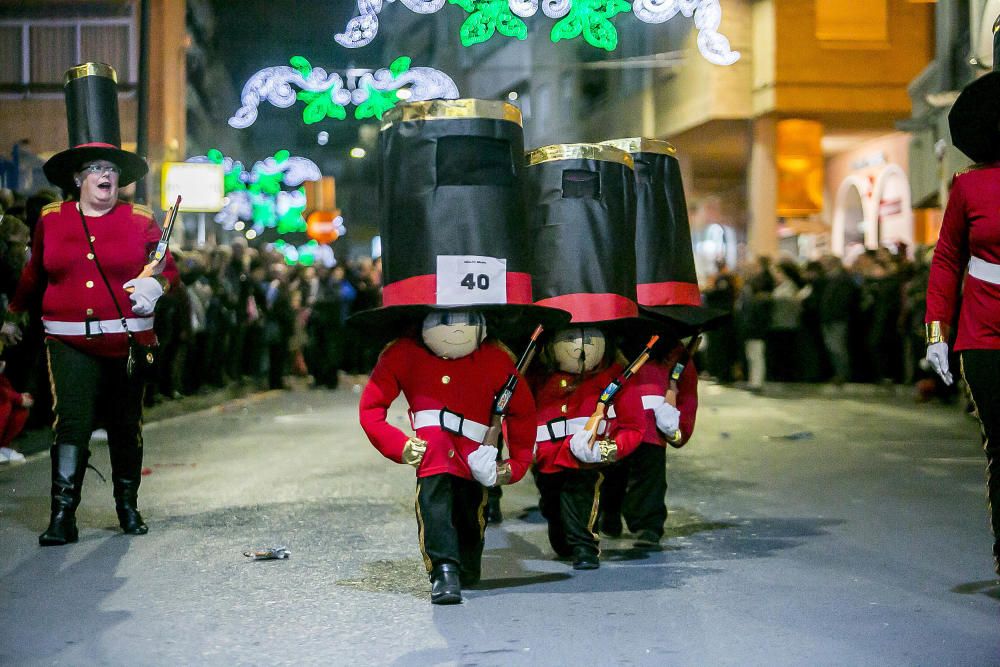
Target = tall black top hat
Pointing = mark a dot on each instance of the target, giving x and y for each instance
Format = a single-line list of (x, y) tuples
[(974, 119), (91, 93), (582, 199), (452, 221), (666, 281)]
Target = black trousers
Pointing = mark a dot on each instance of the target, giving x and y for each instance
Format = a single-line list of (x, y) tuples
[(636, 488), (981, 369), (89, 391), (451, 523), (569, 501)]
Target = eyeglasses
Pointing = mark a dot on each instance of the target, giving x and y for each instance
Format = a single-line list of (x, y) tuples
[(100, 169)]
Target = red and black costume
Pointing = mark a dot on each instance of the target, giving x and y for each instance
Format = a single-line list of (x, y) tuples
[(13, 414), (449, 402), (570, 490), (969, 246), (635, 489)]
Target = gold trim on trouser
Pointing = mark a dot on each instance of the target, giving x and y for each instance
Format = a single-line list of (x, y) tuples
[(482, 513), (420, 531), (593, 510), (52, 389), (986, 441)]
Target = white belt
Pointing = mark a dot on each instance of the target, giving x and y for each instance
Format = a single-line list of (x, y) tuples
[(451, 422), (983, 270), (653, 401), (96, 327), (559, 428)]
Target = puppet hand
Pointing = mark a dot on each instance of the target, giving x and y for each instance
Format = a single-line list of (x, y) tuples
[(413, 451), (581, 448), (668, 418), (483, 464), (145, 292), (937, 357)]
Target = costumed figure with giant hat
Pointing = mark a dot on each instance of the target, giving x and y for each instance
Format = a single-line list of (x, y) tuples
[(456, 273), (670, 302), (583, 225), (92, 279), (964, 281)]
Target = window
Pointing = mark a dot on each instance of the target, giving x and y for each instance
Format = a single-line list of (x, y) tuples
[(36, 52)]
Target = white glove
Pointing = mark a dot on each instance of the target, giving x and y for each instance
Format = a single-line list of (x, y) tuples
[(668, 418), (145, 292), (10, 333), (937, 357), (580, 447), (483, 464)]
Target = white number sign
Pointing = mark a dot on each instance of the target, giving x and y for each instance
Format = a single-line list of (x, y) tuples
[(471, 279)]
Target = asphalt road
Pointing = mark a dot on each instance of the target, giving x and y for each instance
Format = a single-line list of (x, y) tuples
[(806, 528)]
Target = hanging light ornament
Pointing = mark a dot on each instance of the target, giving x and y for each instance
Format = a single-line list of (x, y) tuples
[(591, 19), (326, 95)]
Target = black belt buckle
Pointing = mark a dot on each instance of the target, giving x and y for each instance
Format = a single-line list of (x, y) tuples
[(92, 328), (549, 423), (461, 421)]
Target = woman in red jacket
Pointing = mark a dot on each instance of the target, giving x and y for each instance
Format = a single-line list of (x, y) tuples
[(88, 271), (969, 246)]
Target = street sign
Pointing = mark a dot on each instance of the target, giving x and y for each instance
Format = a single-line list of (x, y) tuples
[(199, 184)]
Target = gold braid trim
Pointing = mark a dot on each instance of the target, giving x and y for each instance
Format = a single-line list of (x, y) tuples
[(933, 332)]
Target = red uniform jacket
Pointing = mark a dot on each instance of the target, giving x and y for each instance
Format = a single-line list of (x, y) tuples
[(65, 278), (971, 227), (651, 382), (556, 397), (13, 414), (465, 386)]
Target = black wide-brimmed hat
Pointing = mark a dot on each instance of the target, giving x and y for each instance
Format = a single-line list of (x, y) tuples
[(452, 218), (91, 91), (974, 119), (666, 280), (581, 199)]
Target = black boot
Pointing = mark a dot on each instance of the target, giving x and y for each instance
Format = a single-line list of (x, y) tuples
[(585, 559), (445, 585), (69, 463), (611, 523), (126, 471)]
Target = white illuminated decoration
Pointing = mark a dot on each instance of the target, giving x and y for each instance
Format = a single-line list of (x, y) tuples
[(328, 94), (714, 46), (295, 170)]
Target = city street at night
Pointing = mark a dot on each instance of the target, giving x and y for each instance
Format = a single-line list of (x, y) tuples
[(807, 526)]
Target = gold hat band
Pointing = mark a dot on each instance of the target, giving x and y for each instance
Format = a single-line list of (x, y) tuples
[(557, 152), (445, 109), (642, 145), (91, 69)]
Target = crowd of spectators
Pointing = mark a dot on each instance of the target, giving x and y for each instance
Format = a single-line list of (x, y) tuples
[(240, 316), (822, 321)]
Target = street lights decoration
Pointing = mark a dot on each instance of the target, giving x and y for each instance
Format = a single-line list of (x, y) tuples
[(590, 19), (326, 95), (258, 197)]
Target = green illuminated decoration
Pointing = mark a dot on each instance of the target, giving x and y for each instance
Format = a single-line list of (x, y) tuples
[(487, 17), (592, 18)]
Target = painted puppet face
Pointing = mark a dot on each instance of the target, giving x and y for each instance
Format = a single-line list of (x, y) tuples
[(578, 349), (453, 334)]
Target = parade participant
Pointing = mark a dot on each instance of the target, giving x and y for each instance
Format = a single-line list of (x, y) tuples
[(970, 241), (456, 268), (583, 226), (88, 270), (669, 298)]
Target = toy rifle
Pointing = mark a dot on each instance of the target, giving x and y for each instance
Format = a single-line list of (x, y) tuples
[(501, 402), (678, 370), (155, 265), (612, 389)]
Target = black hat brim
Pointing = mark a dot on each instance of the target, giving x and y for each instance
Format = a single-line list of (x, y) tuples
[(59, 169), (687, 319), (974, 119), (502, 320)]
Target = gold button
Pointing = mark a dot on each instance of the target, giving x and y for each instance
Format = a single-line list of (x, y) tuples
[(93, 238), (445, 379), (563, 409), (451, 453), (90, 255), (90, 311), (90, 283), (563, 383)]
